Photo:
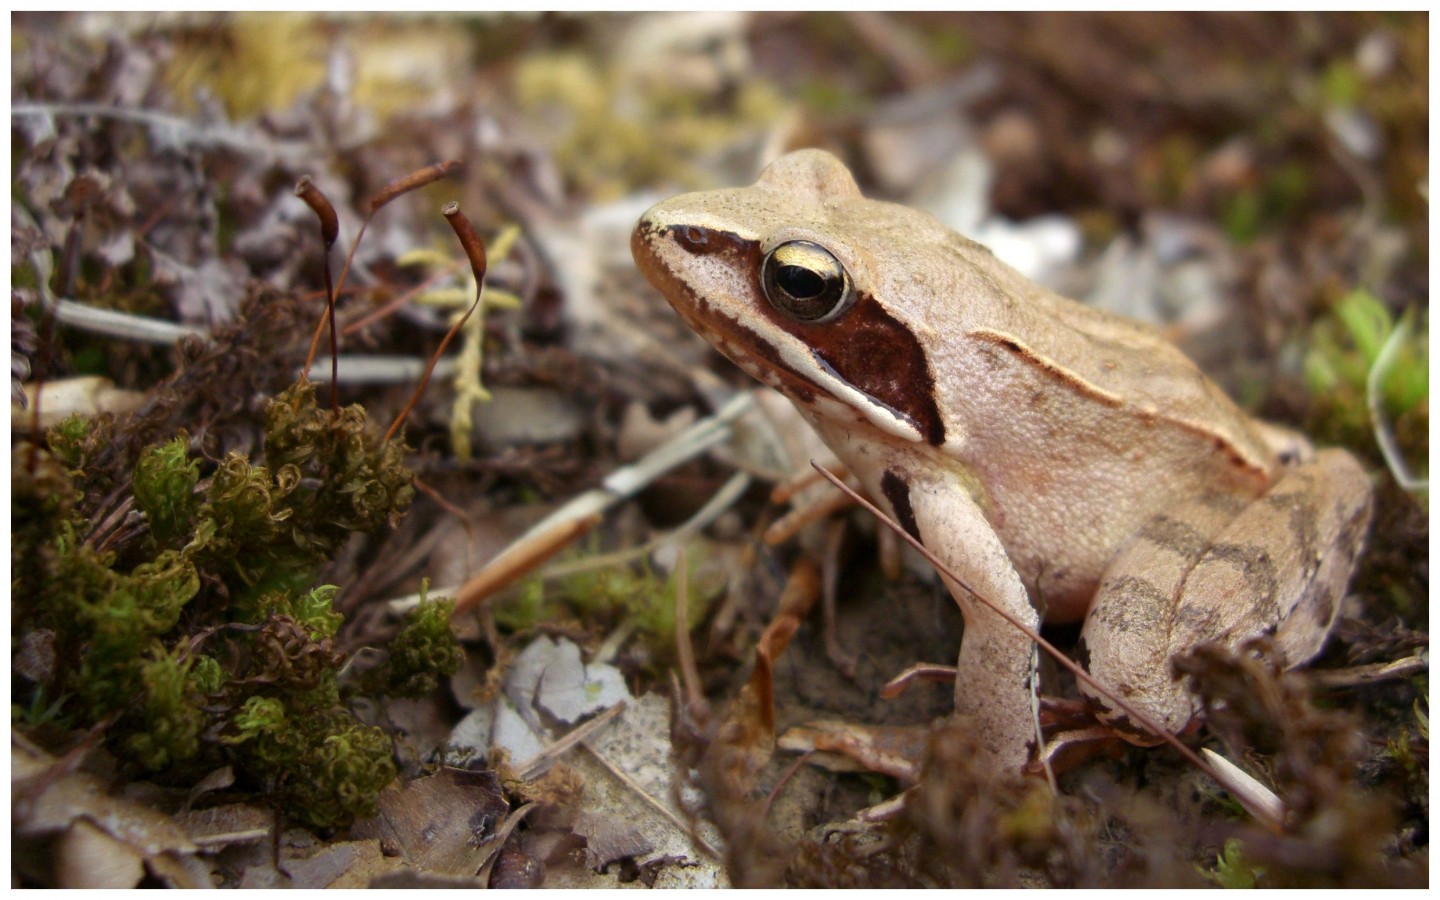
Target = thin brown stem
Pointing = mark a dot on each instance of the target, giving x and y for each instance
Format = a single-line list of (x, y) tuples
[(400, 300), (475, 251), (446, 505), (329, 232)]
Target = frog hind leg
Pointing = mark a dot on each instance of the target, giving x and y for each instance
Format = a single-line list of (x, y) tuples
[(1219, 569)]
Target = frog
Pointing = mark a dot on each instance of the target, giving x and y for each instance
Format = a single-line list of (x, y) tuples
[(1067, 464)]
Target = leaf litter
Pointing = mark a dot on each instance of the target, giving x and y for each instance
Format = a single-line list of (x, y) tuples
[(1235, 189)]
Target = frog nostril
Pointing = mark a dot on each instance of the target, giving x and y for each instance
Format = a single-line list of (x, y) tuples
[(693, 236)]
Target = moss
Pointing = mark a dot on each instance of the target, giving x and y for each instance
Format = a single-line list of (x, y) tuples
[(328, 767), (164, 484), (424, 649), (259, 715), (614, 593), (311, 610), (200, 639), (172, 696), (340, 778), (67, 440), (1231, 870)]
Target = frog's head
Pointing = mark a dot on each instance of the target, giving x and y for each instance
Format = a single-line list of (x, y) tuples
[(804, 283)]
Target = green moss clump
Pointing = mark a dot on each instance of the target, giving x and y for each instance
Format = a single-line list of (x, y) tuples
[(311, 610), (68, 439), (1231, 868), (339, 778), (612, 593), (424, 649), (201, 639), (170, 709), (164, 484)]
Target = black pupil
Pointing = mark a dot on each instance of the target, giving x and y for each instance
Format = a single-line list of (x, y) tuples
[(800, 282)]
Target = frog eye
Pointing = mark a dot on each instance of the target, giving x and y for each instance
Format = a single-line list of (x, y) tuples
[(804, 281)]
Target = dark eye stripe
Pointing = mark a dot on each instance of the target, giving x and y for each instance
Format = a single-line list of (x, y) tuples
[(867, 348)]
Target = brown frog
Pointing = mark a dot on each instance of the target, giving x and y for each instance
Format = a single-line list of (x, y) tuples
[(1066, 463)]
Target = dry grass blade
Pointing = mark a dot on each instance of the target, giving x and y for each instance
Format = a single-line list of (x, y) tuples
[(1374, 400), (1254, 796), (1355, 676), (790, 524), (918, 672), (123, 325), (799, 481), (362, 368), (684, 648)]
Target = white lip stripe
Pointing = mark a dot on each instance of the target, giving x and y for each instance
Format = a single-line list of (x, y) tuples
[(801, 358)]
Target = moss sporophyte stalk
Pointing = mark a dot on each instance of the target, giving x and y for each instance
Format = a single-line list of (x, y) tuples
[(200, 638)]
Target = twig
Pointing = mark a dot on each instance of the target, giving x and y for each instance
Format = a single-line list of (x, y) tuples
[(582, 512), (121, 325), (542, 760), (1360, 675), (700, 843), (521, 558)]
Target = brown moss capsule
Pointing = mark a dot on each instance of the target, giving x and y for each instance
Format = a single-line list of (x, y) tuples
[(416, 179), (329, 221)]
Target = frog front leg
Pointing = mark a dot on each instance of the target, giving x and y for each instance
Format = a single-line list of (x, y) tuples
[(993, 691), (1220, 569)]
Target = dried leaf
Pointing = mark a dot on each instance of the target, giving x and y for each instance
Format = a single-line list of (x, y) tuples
[(439, 823)]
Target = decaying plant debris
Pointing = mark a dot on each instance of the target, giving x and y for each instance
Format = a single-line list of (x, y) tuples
[(234, 661)]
